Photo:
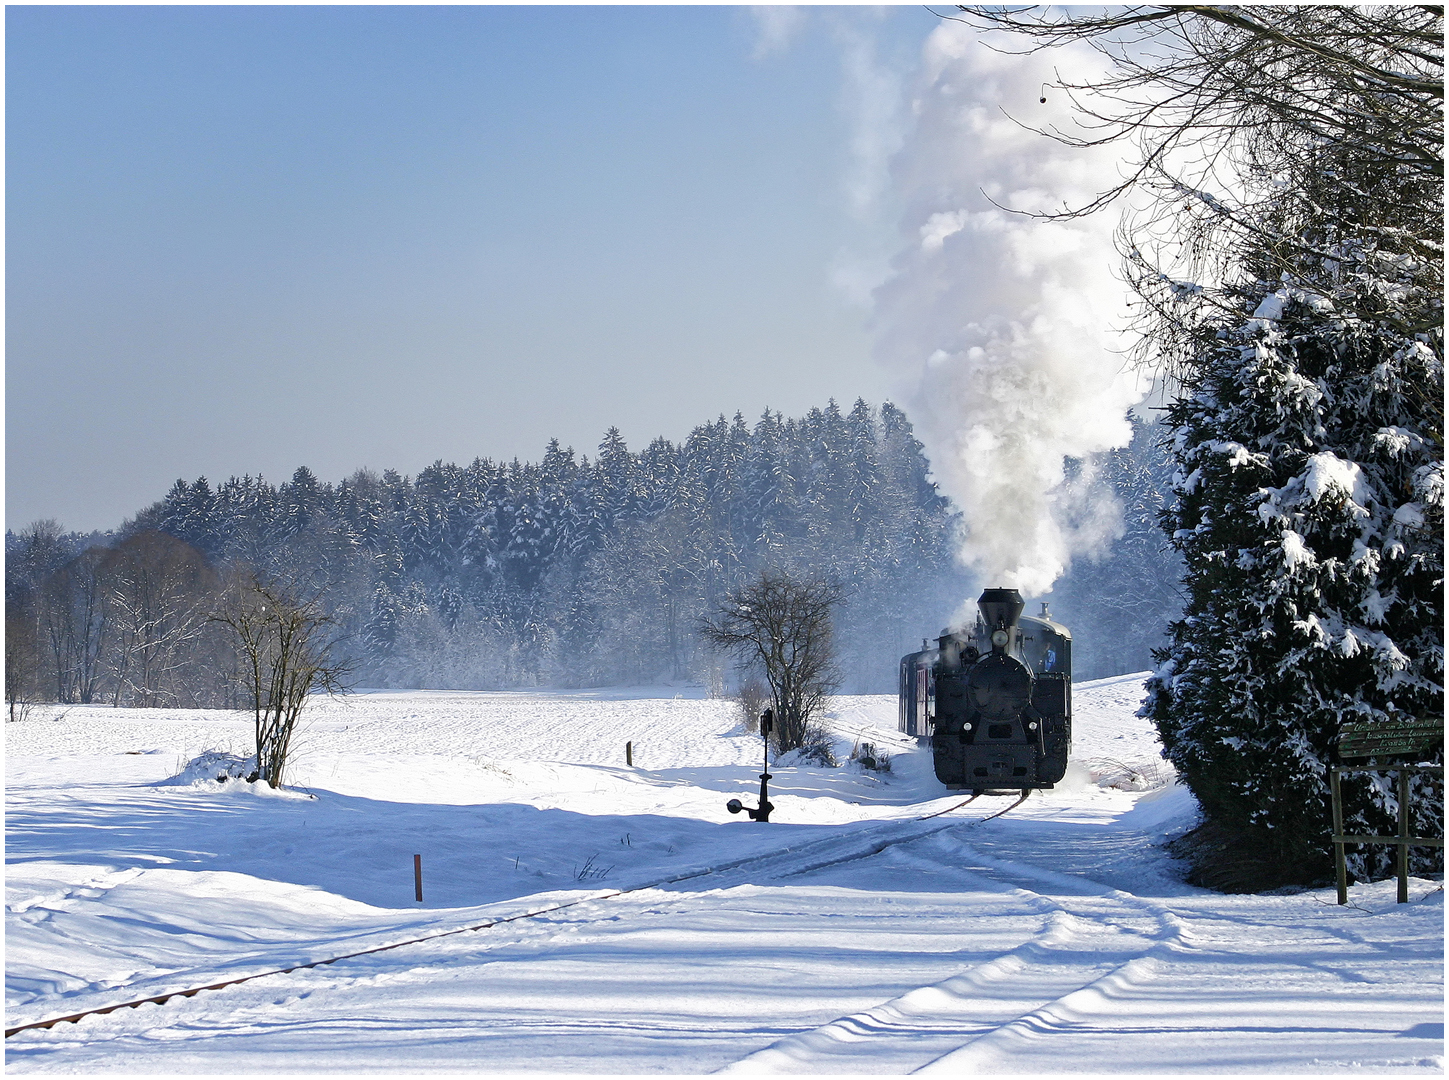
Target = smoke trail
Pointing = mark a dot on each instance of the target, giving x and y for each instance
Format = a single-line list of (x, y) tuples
[(776, 26), (997, 326)]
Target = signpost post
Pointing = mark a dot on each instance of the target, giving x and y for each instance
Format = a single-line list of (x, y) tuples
[(1377, 744)]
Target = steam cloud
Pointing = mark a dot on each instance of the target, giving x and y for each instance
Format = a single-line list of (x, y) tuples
[(999, 327)]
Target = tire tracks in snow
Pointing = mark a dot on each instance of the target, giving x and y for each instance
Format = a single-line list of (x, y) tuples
[(1087, 955)]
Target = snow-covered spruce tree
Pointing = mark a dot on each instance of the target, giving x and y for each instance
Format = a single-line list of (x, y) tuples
[(1309, 515)]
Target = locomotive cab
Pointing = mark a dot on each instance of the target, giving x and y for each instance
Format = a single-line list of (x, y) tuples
[(918, 690), (993, 700)]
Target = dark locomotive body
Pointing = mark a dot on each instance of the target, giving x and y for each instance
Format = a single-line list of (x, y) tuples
[(994, 701)]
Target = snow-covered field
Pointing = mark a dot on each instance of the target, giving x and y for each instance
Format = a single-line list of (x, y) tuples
[(851, 934)]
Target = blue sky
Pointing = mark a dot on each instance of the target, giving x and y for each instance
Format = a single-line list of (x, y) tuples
[(242, 239)]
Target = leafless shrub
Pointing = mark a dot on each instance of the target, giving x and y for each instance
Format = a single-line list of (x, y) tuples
[(1125, 776), (591, 871), (752, 697), (869, 756), (816, 746)]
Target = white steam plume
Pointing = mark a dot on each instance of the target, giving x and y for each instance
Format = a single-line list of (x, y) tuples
[(999, 327), (872, 101), (776, 26)]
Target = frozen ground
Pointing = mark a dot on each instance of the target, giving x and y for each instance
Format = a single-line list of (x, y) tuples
[(850, 935)]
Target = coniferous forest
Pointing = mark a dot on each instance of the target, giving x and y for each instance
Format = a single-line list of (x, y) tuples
[(571, 571)]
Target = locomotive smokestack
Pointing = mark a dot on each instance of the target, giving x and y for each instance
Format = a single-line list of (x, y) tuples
[(1000, 608)]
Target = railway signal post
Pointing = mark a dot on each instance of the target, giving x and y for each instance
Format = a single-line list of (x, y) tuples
[(734, 806)]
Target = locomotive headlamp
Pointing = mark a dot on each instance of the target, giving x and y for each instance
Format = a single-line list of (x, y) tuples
[(999, 638)]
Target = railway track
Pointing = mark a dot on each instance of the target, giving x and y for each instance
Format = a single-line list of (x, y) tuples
[(801, 859)]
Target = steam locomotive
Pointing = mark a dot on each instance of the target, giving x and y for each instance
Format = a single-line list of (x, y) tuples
[(994, 701)]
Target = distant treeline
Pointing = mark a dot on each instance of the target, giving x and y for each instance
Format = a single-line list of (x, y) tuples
[(570, 571)]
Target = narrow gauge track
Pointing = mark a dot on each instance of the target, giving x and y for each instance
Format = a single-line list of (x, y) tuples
[(858, 851)]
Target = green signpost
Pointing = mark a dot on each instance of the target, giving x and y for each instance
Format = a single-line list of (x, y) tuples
[(1376, 744)]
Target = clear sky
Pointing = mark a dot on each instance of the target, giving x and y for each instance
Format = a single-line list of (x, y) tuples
[(243, 239)]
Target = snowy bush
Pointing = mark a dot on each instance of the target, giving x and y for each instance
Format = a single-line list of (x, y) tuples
[(214, 766), (815, 749), (870, 757), (1129, 776)]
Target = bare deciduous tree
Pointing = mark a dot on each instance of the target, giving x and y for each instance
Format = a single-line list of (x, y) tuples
[(74, 618), (285, 650), (22, 662), (160, 594), (783, 625)]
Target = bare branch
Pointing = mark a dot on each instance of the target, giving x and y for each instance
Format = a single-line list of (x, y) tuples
[(1298, 132)]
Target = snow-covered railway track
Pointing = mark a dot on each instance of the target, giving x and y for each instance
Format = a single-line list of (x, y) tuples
[(784, 861)]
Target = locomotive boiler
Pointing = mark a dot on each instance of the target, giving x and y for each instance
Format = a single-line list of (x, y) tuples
[(994, 700)]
